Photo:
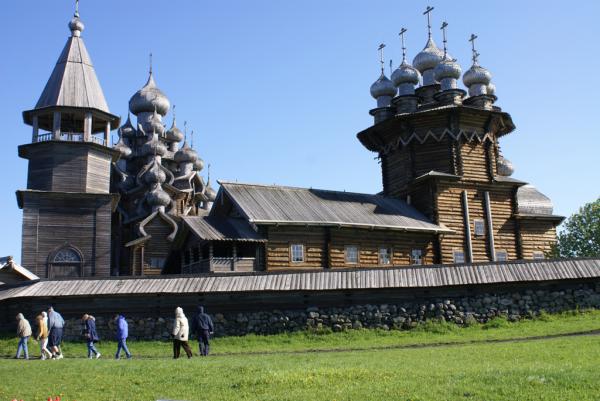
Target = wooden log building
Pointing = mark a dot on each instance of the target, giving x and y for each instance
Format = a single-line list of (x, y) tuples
[(141, 207)]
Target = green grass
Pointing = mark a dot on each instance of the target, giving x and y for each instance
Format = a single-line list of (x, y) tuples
[(549, 369)]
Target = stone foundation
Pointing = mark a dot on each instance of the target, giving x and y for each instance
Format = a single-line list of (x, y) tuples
[(463, 310)]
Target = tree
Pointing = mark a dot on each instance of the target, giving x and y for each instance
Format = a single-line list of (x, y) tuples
[(581, 234)]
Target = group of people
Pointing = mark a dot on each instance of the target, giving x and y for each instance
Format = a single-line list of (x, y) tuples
[(50, 327), (49, 334)]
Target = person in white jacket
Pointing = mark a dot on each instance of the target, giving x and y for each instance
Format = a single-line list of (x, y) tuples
[(181, 331)]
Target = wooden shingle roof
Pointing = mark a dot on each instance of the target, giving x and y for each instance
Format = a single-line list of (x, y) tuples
[(266, 204), (217, 228), (325, 280)]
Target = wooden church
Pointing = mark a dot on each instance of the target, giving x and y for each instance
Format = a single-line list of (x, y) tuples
[(142, 207)]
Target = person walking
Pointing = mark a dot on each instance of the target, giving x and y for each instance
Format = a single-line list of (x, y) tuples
[(24, 332), (56, 324), (42, 336), (90, 335), (203, 326), (181, 331), (122, 334)]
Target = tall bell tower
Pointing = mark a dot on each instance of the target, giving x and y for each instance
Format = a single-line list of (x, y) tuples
[(67, 204)]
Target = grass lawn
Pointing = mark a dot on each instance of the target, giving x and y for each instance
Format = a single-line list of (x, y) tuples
[(545, 369)]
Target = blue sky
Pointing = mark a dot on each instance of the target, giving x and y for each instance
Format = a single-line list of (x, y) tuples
[(277, 90)]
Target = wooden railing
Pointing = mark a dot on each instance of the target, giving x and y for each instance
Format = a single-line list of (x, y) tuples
[(69, 138), (219, 264)]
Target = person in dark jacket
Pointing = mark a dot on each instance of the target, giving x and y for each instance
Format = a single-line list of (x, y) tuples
[(122, 334), (90, 335), (202, 325)]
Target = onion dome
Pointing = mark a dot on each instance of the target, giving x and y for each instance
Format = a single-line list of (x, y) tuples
[(491, 89), (158, 197), (198, 164), (149, 98), (532, 202), (76, 26), (447, 72), (185, 154), (477, 79), (127, 130), (154, 147), (210, 193), (405, 77), (383, 90), (427, 60), (154, 124), (155, 175), (174, 134), (505, 167), (122, 148)]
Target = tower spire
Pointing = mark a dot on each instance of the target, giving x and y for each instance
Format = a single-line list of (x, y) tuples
[(475, 54), (402, 32), (428, 13), (76, 8), (443, 28), (150, 61), (380, 48)]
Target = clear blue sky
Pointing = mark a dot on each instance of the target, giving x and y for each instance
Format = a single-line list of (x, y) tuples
[(277, 90)]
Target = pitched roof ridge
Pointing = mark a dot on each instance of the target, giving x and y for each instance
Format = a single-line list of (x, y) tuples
[(274, 186)]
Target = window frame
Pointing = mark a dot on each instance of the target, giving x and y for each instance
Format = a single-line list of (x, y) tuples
[(303, 252), (390, 255), (501, 252), (412, 256), (541, 257), (475, 223), (461, 252), (346, 260)]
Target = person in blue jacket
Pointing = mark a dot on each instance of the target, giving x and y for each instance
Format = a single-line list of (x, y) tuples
[(122, 334), (203, 326), (90, 335)]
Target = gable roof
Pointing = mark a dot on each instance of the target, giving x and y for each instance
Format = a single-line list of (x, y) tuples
[(216, 228), (269, 204), (9, 267), (73, 82)]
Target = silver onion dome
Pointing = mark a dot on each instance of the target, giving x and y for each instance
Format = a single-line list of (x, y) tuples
[(477, 79), (406, 74), (158, 197), (447, 72), (210, 193), (198, 164), (154, 147), (505, 167), (122, 148), (149, 98), (185, 154), (155, 175), (76, 26), (427, 60), (491, 89), (532, 202), (127, 130), (383, 87), (174, 134), (153, 123)]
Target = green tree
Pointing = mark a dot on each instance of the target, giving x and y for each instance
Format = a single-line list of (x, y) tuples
[(581, 234)]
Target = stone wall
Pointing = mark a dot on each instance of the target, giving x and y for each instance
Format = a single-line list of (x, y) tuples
[(461, 310)]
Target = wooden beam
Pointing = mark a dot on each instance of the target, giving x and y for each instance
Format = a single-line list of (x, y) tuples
[(36, 129), (465, 199), (107, 133), (490, 224), (56, 126), (87, 127)]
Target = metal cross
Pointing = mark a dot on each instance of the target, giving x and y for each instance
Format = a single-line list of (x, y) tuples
[(475, 54), (380, 48), (192, 139), (208, 178), (402, 32), (443, 28), (150, 63), (428, 12), (185, 131), (77, 8), (391, 67)]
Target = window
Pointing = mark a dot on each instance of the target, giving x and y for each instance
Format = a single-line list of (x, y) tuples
[(351, 254), (538, 255), (67, 255), (416, 257), (459, 256), (297, 251), (501, 256), (157, 263), (385, 256), (479, 227)]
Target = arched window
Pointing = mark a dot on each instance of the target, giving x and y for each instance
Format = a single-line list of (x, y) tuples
[(66, 262)]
